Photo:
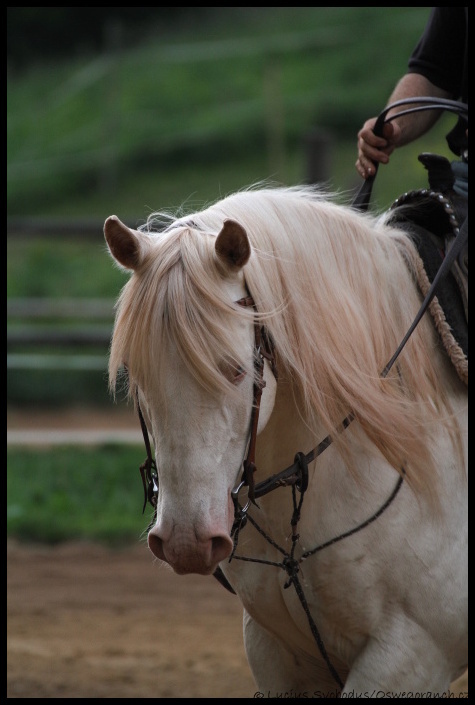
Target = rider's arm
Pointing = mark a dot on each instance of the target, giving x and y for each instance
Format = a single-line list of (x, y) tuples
[(415, 125), (399, 131)]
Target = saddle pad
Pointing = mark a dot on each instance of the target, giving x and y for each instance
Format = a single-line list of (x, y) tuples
[(429, 217)]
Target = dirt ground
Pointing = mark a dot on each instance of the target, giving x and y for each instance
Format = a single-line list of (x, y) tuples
[(89, 622)]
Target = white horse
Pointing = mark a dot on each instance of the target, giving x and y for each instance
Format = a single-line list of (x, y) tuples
[(353, 579)]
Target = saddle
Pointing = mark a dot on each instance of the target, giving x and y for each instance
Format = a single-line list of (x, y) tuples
[(433, 217)]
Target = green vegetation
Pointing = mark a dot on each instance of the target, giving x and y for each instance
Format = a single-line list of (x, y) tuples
[(63, 493), (178, 119)]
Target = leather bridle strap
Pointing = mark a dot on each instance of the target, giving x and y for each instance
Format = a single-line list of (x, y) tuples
[(148, 469), (263, 349)]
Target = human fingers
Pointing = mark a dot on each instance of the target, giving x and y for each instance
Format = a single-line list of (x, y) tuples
[(373, 149)]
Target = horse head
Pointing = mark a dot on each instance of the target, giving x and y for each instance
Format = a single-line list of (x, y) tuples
[(200, 428)]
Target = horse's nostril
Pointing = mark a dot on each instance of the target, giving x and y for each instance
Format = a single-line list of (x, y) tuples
[(221, 547), (155, 544)]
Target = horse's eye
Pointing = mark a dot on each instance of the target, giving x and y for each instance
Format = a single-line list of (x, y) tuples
[(233, 372), (239, 375)]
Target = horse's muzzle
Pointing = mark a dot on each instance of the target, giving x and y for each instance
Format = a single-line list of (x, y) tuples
[(187, 554)]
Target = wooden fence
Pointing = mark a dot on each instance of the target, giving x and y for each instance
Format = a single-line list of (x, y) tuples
[(59, 333), (30, 228)]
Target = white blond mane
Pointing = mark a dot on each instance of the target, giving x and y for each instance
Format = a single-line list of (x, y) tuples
[(336, 292)]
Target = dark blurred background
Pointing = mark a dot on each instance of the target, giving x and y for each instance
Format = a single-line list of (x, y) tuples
[(53, 33)]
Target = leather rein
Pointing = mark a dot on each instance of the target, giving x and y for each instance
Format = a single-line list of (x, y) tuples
[(423, 103)]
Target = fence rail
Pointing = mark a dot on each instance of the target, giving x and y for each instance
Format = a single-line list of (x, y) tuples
[(60, 308), (61, 334), (33, 361), (49, 336), (86, 228), (71, 331)]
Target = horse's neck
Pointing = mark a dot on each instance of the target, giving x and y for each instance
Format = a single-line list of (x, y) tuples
[(284, 435)]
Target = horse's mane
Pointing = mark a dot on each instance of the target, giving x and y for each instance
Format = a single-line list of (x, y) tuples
[(336, 290)]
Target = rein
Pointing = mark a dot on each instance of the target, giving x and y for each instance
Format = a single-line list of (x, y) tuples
[(362, 199)]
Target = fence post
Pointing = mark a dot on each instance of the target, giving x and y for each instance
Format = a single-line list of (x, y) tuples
[(318, 150), (274, 104)]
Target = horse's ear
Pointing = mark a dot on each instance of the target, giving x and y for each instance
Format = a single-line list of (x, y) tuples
[(124, 244), (232, 244)]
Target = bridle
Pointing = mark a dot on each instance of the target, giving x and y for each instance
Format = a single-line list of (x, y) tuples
[(296, 475), (263, 350)]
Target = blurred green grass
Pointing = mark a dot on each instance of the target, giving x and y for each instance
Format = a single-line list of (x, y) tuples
[(62, 493)]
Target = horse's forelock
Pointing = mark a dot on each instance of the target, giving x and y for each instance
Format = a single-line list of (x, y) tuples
[(177, 297)]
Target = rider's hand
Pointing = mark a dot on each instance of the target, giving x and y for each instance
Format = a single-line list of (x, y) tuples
[(373, 149)]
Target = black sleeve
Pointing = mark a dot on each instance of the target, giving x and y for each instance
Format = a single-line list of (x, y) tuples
[(440, 54)]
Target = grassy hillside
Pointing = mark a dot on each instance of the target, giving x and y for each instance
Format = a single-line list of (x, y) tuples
[(192, 116)]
